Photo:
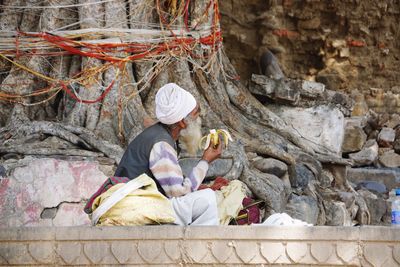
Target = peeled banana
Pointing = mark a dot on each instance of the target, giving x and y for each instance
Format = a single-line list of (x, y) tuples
[(214, 138)]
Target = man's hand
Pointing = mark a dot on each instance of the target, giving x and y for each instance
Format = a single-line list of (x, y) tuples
[(211, 153)]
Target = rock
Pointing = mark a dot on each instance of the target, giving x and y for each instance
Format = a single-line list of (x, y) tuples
[(272, 166), (337, 214), (347, 198), (269, 65), (2, 171), (48, 213), (396, 146), (312, 89), (344, 52), (332, 80), (373, 186), (386, 137), (383, 150), (219, 167), (326, 179), (262, 85), (251, 155), (394, 121), (70, 214), (29, 195), (360, 107), (367, 155), (311, 24), (300, 175), (354, 139), (389, 177), (337, 43), (356, 121), (373, 120), (311, 162), (383, 118), (285, 92), (267, 187), (387, 217), (390, 159), (376, 206), (322, 126), (373, 135), (303, 208), (340, 100)]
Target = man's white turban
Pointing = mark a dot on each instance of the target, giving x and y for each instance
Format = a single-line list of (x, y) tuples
[(173, 103)]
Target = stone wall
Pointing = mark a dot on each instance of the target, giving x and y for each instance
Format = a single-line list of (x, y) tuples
[(200, 246), (348, 45)]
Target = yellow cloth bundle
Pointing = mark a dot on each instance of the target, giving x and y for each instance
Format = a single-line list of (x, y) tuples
[(142, 206), (229, 201)]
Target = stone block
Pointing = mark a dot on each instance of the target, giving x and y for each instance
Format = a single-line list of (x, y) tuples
[(71, 253), (271, 166), (274, 252), (219, 167), (304, 208), (197, 251), (310, 24), (126, 252), (217, 246), (386, 137), (377, 254), (71, 214), (261, 85), (396, 253), (300, 176), (42, 252), (390, 159), (99, 252), (16, 253), (376, 206), (393, 122), (367, 155), (347, 251), (322, 251), (337, 214), (354, 139), (312, 89), (284, 91), (222, 250), (356, 121), (323, 126), (247, 252), (298, 252), (42, 184), (389, 177)]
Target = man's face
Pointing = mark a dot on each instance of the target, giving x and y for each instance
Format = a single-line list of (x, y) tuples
[(189, 137)]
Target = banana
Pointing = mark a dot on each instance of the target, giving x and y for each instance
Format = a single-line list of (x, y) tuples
[(214, 138)]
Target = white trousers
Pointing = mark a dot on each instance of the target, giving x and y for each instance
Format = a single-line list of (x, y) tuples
[(196, 208)]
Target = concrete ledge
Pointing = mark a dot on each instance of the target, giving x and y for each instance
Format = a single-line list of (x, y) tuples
[(199, 246)]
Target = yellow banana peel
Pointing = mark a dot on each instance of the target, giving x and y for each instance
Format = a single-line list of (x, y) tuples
[(214, 137)]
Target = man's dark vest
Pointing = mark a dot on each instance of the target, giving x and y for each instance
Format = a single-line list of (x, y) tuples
[(135, 160)]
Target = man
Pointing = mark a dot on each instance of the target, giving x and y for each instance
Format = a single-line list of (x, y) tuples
[(154, 152)]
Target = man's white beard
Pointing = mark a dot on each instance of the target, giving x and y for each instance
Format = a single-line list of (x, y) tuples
[(189, 137)]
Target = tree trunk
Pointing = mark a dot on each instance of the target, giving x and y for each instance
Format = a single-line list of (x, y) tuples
[(100, 97)]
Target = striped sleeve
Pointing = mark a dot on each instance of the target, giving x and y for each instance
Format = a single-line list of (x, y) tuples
[(165, 168)]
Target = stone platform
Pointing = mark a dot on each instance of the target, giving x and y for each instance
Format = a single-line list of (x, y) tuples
[(200, 246)]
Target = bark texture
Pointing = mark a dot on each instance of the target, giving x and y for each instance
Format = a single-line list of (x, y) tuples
[(104, 128)]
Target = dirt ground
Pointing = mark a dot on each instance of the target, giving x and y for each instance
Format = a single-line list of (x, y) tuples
[(351, 46)]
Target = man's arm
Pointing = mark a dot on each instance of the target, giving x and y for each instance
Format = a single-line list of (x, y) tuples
[(165, 168)]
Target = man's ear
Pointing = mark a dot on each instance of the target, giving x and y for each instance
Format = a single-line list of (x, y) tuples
[(182, 124)]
